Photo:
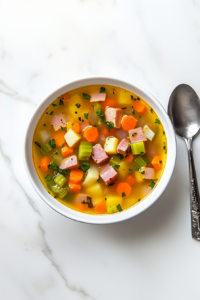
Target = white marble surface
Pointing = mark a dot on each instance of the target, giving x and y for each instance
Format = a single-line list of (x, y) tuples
[(43, 45)]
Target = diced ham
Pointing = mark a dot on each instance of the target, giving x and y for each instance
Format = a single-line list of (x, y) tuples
[(98, 97), (108, 174), (122, 148), (146, 190), (80, 198), (137, 135), (98, 154), (149, 173), (70, 162), (84, 125), (114, 115), (58, 121)]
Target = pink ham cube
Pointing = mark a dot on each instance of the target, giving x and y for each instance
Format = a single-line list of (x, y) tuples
[(98, 154), (108, 174), (137, 135), (114, 115), (98, 97), (122, 148), (148, 173), (70, 162), (58, 121)]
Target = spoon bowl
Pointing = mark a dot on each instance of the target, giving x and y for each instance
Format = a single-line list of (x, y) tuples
[(184, 112)]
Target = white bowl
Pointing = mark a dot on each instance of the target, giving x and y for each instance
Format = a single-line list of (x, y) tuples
[(126, 214)]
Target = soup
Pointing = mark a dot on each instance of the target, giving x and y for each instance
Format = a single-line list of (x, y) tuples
[(99, 149)]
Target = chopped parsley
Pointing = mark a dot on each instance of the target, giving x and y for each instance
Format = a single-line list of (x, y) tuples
[(133, 98), (120, 156), (138, 200), (99, 113), (111, 184), (119, 207), (52, 143), (44, 124), (78, 105), (86, 96), (138, 98), (123, 194), (54, 104), (160, 161), (142, 172), (62, 128), (151, 110), (79, 119), (102, 90), (85, 166), (51, 113), (56, 153), (116, 166), (53, 166), (130, 170), (133, 112), (61, 102), (64, 172), (164, 147), (152, 184), (157, 121), (123, 107), (48, 178), (141, 153), (38, 144), (163, 132), (110, 125), (86, 115)]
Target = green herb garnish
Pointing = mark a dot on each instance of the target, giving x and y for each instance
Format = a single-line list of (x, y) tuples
[(142, 172), (44, 124), (51, 113), (123, 194), (48, 178), (119, 207), (110, 125), (53, 166), (86, 115), (38, 144), (123, 107), (62, 128), (102, 90), (133, 112), (157, 121), (63, 172), (133, 98), (54, 104), (120, 156), (78, 105), (79, 119), (52, 143), (151, 110), (152, 184), (163, 132), (116, 166), (61, 102), (111, 184), (86, 96), (85, 166)]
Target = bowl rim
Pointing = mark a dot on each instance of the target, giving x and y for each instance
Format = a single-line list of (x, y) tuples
[(89, 218)]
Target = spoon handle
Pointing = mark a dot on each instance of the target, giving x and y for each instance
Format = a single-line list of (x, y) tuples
[(194, 193)]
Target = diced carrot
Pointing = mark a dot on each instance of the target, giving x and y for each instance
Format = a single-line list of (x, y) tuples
[(76, 127), (59, 138), (109, 102), (106, 132), (157, 162), (66, 151), (45, 161), (124, 189), (139, 107), (131, 180), (128, 122), (129, 158), (81, 206), (100, 208), (76, 176), (91, 134), (75, 187)]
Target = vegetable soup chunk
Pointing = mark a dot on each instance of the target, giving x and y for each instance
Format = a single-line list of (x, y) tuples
[(99, 149)]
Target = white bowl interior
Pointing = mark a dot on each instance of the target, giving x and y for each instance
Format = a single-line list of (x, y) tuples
[(126, 214)]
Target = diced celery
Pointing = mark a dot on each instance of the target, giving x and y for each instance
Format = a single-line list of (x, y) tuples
[(45, 149), (60, 179), (138, 148), (114, 161), (55, 188), (68, 197), (111, 209), (57, 158), (50, 183), (140, 162), (85, 150), (63, 192)]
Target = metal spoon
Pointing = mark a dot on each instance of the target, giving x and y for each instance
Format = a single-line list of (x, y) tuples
[(184, 112)]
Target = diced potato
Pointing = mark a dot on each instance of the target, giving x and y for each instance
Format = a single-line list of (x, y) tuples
[(113, 200), (148, 133), (72, 138), (124, 98), (111, 209), (95, 190), (123, 170), (138, 176), (92, 176), (110, 145)]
